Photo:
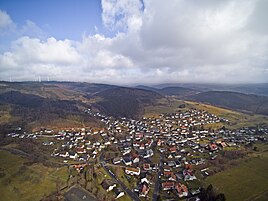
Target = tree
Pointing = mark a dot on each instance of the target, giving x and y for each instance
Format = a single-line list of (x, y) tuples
[(220, 197), (210, 195)]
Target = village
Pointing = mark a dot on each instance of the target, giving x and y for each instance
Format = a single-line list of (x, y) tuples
[(166, 156)]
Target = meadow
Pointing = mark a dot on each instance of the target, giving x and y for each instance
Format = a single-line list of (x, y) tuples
[(19, 181), (246, 182)]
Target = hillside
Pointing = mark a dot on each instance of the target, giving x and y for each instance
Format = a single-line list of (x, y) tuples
[(60, 104), (171, 90), (126, 102), (32, 111), (41, 104), (177, 91), (56, 90), (85, 88), (234, 100), (257, 89)]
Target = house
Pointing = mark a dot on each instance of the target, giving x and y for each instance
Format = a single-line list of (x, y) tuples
[(79, 167), (139, 136), (188, 175), (73, 155), (127, 161), (65, 155), (118, 193), (117, 160), (168, 185), (213, 147), (172, 149), (148, 153), (108, 185), (170, 176), (133, 171), (222, 144), (147, 166), (144, 189), (181, 190), (171, 163), (135, 158), (145, 180), (167, 168)]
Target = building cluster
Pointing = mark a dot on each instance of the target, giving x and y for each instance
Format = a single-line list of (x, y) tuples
[(160, 152)]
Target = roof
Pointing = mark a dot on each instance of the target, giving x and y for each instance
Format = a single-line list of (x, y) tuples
[(181, 188), (168, 184), (132, 169), (106, 183)]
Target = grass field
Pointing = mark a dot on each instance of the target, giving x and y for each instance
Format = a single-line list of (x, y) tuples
[(163, 106), (21, 182), (236, 119), (246, 182)]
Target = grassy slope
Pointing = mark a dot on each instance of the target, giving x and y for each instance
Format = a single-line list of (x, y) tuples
[(237, 119), (163, 106), (248, 181), (29, 183)]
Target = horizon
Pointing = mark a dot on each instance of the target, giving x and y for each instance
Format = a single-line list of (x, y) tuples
[(156, 85), (135, 41)]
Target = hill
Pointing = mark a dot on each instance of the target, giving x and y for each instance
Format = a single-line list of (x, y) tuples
[(59, 104), (171, 90), (31, 111), (177, 91), (257, 89), (86, 88), (234, 100), (126, 102)]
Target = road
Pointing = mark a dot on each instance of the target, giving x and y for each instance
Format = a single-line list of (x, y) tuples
[(131, 194), (157, 183)]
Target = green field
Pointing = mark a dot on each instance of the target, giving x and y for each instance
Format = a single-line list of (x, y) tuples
[(246, 182), (22, 182)]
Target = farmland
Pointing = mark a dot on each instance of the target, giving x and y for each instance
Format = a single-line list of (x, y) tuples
[(248, 181), (18, 180)]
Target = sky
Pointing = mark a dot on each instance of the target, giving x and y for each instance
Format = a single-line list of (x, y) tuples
[(131, 42)]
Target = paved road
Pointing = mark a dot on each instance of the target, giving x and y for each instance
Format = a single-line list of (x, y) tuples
[(123, 186), (157, 183)]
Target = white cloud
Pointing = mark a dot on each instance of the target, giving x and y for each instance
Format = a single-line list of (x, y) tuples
[(7, 26), (121, 14), (174, 41), (5, 20), (31, 29)]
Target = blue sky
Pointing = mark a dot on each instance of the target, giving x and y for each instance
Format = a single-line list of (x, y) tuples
[(134, 41), (58, 18)]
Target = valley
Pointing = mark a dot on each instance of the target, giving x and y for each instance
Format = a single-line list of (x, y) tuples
[(141, 144)]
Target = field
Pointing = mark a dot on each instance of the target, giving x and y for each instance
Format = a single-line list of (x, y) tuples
[(163, 106), (22, 182), (236, 119), (246, 182)]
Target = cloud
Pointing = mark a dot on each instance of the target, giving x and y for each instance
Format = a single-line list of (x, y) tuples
[(30, 29), (6, 23), (154, 42), (121, 14)]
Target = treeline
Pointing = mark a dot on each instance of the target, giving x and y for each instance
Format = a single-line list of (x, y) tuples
[(209, 194)]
